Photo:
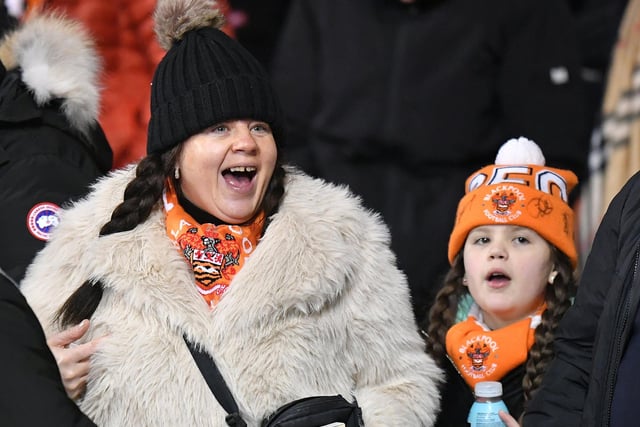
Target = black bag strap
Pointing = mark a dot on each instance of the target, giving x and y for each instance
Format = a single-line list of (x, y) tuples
[(216, 383)]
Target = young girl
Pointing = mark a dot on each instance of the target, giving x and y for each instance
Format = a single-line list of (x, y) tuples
[(512, 258)]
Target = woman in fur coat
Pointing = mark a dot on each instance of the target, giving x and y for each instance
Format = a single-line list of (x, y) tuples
[(287, 282)]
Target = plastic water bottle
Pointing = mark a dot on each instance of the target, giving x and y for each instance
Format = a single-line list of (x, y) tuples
[(484, 411)]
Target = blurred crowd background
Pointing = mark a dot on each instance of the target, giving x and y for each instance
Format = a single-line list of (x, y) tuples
[(380, 93)]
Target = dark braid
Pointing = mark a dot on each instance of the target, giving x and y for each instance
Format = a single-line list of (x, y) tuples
[(274, 193), (442, 314), (141, 195), (558, 298)]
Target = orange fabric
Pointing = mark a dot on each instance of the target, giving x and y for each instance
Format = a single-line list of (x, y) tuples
[(531, 196), (484, 355), (31, 6), (215, 252), (124, 35)]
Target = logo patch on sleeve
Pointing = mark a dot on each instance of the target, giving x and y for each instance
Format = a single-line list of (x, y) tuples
[(42, 219)]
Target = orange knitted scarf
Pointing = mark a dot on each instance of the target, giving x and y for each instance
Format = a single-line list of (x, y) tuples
[(481, 354), (215, 252)]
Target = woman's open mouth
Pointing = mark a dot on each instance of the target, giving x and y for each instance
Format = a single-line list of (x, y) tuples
[(240, 177)]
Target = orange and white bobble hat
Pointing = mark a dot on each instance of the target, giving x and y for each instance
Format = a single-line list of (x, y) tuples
[(518, 190)]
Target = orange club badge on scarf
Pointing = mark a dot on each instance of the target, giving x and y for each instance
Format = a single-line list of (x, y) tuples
[(481, 354), (215, 252)]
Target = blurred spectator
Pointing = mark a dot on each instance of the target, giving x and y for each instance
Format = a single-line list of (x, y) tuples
[(615, 145), (597, 23), (257, 25), (402, 100), (51, 146)]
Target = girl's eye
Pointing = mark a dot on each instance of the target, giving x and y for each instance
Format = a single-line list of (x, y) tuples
[(481, 240), (521, 239)]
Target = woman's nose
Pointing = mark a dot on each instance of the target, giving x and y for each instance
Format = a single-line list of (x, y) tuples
[(244, 141)]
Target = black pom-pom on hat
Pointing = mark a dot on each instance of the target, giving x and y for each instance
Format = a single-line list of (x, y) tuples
[(205, 77)]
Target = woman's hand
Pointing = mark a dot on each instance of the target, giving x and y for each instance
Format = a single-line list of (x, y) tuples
[(73, 359), (508, 419)]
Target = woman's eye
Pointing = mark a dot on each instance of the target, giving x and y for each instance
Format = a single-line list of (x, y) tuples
[(218, 129), (261, 127)]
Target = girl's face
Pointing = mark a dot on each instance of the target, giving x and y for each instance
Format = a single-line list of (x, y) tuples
[(225, 170), (507, 270)]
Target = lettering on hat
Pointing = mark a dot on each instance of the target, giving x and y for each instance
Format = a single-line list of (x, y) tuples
[(544, 179)]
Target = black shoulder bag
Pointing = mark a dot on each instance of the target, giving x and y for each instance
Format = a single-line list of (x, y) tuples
[(312, 411)]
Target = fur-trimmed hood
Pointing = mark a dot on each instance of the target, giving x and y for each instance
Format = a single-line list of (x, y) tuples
[(318, 308), (58, 60)]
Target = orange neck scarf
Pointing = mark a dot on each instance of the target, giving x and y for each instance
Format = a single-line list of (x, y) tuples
[(215, 252), (481, 354)]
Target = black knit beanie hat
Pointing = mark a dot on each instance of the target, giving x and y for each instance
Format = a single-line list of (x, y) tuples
[(205, 77)]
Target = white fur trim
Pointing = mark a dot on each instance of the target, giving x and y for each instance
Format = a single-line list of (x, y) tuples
[(58, 60)]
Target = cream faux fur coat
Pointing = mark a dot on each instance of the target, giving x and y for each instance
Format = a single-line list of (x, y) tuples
[(319, 308)]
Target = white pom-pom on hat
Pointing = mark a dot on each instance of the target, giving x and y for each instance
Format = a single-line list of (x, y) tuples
[(520, 151)]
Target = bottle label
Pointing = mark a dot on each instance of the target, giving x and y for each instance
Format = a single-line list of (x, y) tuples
[(485, 414)]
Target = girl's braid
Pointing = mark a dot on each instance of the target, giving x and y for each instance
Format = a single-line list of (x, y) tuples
[(558, 298), (443, 312)]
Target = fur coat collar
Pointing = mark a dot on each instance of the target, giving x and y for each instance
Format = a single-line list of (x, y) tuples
[(319, 308)]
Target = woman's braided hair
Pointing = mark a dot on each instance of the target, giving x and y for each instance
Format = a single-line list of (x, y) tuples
[(558, 297), (141, 196)]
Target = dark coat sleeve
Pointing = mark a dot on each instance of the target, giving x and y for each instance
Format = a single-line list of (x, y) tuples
[(33, 391), (561, 399)]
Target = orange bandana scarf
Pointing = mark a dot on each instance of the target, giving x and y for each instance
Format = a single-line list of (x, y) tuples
[(481, 354), (215, 252)]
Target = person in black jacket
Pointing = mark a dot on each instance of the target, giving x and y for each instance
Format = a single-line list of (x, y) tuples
[(51, 146), (594, 378), (51, 150), (7, 21), (33, 392), (403, 99)]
